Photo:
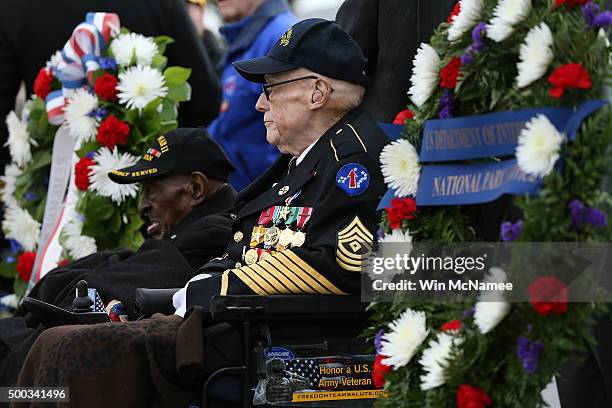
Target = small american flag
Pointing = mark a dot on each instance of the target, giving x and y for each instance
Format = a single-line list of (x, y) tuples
[(98, 305)]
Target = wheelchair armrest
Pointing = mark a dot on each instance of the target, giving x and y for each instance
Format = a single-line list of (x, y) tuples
[(151, 301), (294, 307), (51, 315)]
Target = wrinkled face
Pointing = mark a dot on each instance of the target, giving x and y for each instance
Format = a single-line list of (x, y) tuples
[(286, 111), (164, 202), (235, 10)]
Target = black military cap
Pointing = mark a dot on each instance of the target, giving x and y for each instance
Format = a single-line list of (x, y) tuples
[(319, 45), (182, 150)]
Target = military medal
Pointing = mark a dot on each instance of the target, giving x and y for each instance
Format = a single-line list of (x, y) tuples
[(265, 255), (257, 235), (251, 256), (303, 217), (266, 216), (285, 237), (238, 236), (298, 239), (271, 236)]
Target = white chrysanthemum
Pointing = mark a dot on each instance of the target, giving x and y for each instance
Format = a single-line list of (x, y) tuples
[(539, 144), (404, 337), (82, 124), (507, 13), (19, 140), (9, 301), (133, 48), (9, 180), (491, 307), (435, 359), (397, 241), (77, 245), (425, 70), (107, 161), (468, 16), (400, 167), (19, 225), (535, 55), (396, 235), (140, 85)]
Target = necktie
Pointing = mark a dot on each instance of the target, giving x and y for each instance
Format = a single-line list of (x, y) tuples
[(292, 165)]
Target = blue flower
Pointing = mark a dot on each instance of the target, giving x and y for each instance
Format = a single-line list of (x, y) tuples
[(510, 231), (528, 351), (107, 63)]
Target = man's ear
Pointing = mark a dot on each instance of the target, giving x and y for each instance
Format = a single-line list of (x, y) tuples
[(320, 94), (199, 187)]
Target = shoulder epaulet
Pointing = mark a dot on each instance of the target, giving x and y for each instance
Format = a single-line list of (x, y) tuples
[(347, 142)]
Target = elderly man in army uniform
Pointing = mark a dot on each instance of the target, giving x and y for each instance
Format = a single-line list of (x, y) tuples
[(305, 226), (307, 223)]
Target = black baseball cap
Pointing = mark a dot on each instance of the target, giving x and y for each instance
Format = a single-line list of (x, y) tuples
[(183, 150), (319, 45)]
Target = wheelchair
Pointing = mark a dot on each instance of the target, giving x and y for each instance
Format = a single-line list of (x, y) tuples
[(256, 327)]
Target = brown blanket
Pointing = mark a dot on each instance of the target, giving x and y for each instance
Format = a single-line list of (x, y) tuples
[(132, 364)]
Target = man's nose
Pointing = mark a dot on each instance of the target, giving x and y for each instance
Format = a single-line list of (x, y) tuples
[(143, 205), (262, 104)]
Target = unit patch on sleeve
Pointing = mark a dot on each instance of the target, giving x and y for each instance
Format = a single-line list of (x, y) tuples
[(353, 179), (353, 246)]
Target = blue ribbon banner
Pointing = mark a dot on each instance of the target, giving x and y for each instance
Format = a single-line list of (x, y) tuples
[(481, 136)]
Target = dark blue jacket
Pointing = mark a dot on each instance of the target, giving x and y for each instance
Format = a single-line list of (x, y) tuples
[(239, 129)]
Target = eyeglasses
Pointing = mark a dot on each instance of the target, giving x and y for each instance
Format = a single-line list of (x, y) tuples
[(266, 87)]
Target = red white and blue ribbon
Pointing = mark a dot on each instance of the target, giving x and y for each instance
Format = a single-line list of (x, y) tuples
[(80, 59)]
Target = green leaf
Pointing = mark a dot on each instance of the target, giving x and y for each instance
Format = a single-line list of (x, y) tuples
[(169, 110), (176, 75), (162, 41), (168, 126), (8, 269), (87, 148), (99, 208), (151, 107), (159, 62), (40, 208), (179, 93), (39, 160), (19, 287)]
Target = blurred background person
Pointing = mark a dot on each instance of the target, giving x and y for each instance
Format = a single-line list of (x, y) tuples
[(251, 28), (389, 33), (197, 12)]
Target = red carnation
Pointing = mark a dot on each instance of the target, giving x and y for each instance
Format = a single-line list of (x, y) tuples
[(455, 12), (403, 116), (569, 76), (452, 325), (81, 173), (401, 209), (106, 87), (548, 294), (450, 73), (379, 370), (570, 4), (63, 262), (25, 264), (43, 83), (469, 396), (113, 131)]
